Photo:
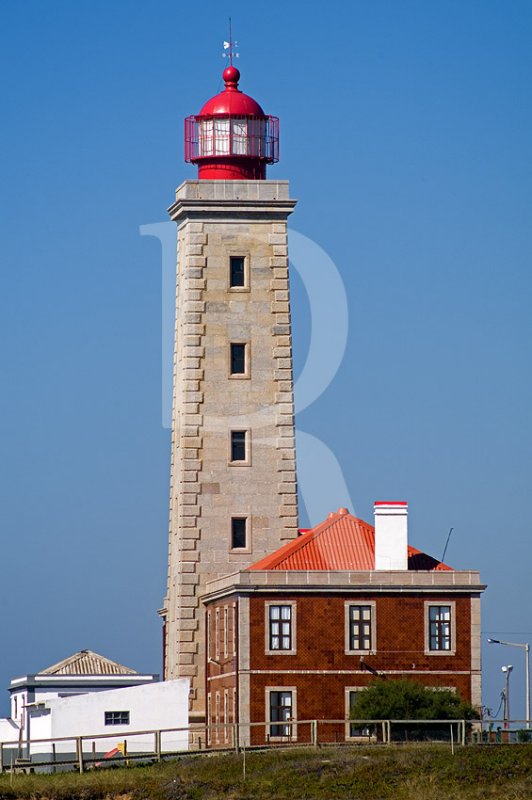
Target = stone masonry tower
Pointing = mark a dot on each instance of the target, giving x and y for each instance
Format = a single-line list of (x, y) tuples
[(233, 495)]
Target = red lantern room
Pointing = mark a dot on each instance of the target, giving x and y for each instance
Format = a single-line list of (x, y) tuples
[(231, 138)]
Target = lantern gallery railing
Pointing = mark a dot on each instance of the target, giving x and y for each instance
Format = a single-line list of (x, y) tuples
[(255, 137)]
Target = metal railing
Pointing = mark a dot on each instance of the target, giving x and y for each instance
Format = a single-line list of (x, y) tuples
[(501, 731)]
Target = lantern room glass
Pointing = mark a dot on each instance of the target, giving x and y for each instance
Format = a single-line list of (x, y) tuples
[(239, 143), (232, 136)]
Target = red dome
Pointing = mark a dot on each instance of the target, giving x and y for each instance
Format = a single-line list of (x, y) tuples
[(231, 101), (231, 138)]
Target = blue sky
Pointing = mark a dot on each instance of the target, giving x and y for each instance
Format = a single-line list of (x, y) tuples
[(405, 134)]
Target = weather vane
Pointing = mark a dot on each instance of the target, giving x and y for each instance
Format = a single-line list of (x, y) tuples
[(231, 46)]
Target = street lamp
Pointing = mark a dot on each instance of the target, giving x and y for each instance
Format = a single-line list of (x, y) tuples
[(526, 648), (507, 671)]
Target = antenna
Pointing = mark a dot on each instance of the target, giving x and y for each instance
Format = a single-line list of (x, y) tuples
[(231, 46), (446, 544)]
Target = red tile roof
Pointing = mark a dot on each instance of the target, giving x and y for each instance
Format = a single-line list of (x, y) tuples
[(342, 542)]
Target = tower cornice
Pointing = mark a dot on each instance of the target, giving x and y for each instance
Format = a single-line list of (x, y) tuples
[(230, 198)]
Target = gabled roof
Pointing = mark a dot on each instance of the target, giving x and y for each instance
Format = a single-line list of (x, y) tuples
[(87, 663), (341, 542)]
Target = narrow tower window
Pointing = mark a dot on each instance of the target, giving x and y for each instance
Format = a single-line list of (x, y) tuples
[(238, 445), (238, 359), (237, 274), (238, 533)]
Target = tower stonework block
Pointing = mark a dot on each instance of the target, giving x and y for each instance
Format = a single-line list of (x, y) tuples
[(233, 438)]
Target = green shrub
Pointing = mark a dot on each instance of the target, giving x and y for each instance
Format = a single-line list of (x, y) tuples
[(406, 699)]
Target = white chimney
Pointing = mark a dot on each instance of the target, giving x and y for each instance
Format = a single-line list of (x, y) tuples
[(391, 535)]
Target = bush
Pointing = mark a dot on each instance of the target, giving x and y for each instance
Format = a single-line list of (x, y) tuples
[(406, 699)]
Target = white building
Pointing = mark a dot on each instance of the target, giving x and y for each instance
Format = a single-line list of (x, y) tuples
[(82, 673), (88, 695)]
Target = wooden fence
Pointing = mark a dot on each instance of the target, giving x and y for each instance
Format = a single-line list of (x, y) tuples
[(149, 746)]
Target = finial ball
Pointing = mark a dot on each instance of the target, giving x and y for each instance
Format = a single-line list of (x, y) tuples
[(231, 75)]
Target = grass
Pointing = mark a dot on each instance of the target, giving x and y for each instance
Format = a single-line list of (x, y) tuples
[(358, 773)]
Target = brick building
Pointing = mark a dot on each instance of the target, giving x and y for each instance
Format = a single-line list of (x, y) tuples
[(298, 633)]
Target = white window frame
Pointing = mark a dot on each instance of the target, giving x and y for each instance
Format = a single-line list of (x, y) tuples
[(217, 702), (348, 723), (235, 628), (226, 715), (426, 612), (373, 623), (293, 627), (217, 634), (452, 689), (292, 737), (226, 632), (209, 718)]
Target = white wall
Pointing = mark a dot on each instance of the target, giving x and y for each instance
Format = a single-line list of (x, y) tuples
[(8, 731), (18, 700), (151, 707)]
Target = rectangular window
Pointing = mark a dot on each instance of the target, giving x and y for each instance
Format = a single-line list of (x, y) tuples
[(226, 715), (226, 632), (360, 633), (117, 717), (238, 358), (209, 718), (237, 271), (235, 629), (217, 634), (208, 635), (280, 712), (238, 533), (439, 627), (217, 718), (280, 627), (354, 730), (238, 446)]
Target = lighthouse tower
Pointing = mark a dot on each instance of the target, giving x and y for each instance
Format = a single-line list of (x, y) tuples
[(233, 495)]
